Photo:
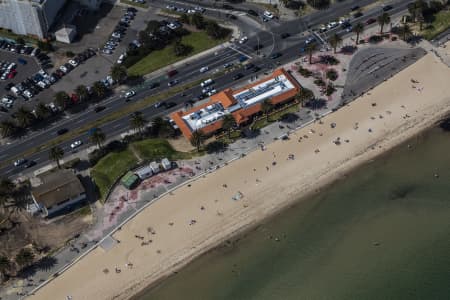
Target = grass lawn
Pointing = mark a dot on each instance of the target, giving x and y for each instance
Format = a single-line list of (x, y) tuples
[(199, 41), (110, 168), (154, 149), (261, 123), (439, 25), (116, 164)]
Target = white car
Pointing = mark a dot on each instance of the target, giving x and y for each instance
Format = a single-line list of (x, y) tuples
[(204, 69), (211, 92), (64, 69), (243, 40), (28, 94), (130, 94), (73, 62), (76, 144), (268, 14)]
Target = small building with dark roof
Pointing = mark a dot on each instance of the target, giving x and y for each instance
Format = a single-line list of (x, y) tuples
[(56, 191)]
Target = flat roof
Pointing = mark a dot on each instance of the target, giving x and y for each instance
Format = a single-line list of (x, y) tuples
[(204, 116), (280, 86)]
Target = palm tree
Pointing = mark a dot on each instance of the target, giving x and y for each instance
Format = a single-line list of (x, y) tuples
[(310, 48), (7, 128), (5, 265), (118, 73), (358, 29), (97, 137), (24, 117), (383, 19), (99, 89), (42, 111), (406, 31), (420, 19), (197, 139), (24, 257), (228, 122), (335, 41), (62, 99), (138, 122), (266, 107), (7, 188), (82, 92), (56, 153), (304, 96)]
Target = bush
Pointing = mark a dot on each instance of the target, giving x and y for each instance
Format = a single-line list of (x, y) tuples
[(332, 74), (319, 82), (304, 72), (350, 49), (328, 60), (375, 39), (330, 89)]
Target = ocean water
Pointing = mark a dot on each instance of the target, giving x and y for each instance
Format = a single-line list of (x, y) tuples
[(383, 232)]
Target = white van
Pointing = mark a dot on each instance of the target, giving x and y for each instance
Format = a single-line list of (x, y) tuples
[(207, 82), (204, 69)]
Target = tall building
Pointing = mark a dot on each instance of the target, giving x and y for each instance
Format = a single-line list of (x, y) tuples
[(29, 17)]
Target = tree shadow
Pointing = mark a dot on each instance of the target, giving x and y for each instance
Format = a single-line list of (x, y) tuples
[(46, 263), (289, 118), (216, 147)]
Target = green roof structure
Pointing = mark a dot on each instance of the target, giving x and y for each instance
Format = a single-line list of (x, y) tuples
[(129, 180)]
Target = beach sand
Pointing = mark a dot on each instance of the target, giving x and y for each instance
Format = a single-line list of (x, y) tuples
[(377, 121)]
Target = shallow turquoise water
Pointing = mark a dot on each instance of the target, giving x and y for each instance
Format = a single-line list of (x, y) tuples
[(381, 233)]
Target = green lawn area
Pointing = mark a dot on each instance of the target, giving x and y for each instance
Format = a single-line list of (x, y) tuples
[(154, 149), (116, 164), (110, 168), (439, 25), (199, 41), (261, 123)]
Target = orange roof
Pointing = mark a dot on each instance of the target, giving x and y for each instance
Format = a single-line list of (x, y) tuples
[(226, 98)]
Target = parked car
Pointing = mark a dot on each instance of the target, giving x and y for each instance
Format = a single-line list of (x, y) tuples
[(62, 131), (76, 144), (130, 94)]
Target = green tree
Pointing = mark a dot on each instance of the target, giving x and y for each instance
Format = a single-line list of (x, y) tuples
[(56, 153), (310, 48), (335, 41), (99, 89), (198, 21), (304, 95), (7, 188), (82, 92), (118, 73), (42, 111), (420, 19), (228, 123), (20, 41), (214, 30), (24, 117), (62, 100), (406, 31), (266, 107), (97, 137), (5, 265), (180, 49), (7, 128), (184, 18), (319, 4), (383, 19), (358, 29), (138, 122), (24, 257), (197, 139)]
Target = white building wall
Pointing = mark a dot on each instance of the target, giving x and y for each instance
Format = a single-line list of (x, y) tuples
[(28, 18)]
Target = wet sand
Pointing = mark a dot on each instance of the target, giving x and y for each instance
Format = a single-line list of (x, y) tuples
[(200, 216)]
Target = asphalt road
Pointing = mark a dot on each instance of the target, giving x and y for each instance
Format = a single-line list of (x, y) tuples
[(290, 49)]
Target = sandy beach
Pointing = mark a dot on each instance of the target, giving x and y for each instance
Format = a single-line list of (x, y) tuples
[(196, 217)]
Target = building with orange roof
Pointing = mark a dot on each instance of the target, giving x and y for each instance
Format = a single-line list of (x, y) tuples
[(243, 103)]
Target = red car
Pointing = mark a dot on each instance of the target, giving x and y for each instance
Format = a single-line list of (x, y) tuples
[(370, 21), (11, 75)]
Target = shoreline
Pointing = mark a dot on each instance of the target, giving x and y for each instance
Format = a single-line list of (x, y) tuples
[(183, 245), (249, 228)]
